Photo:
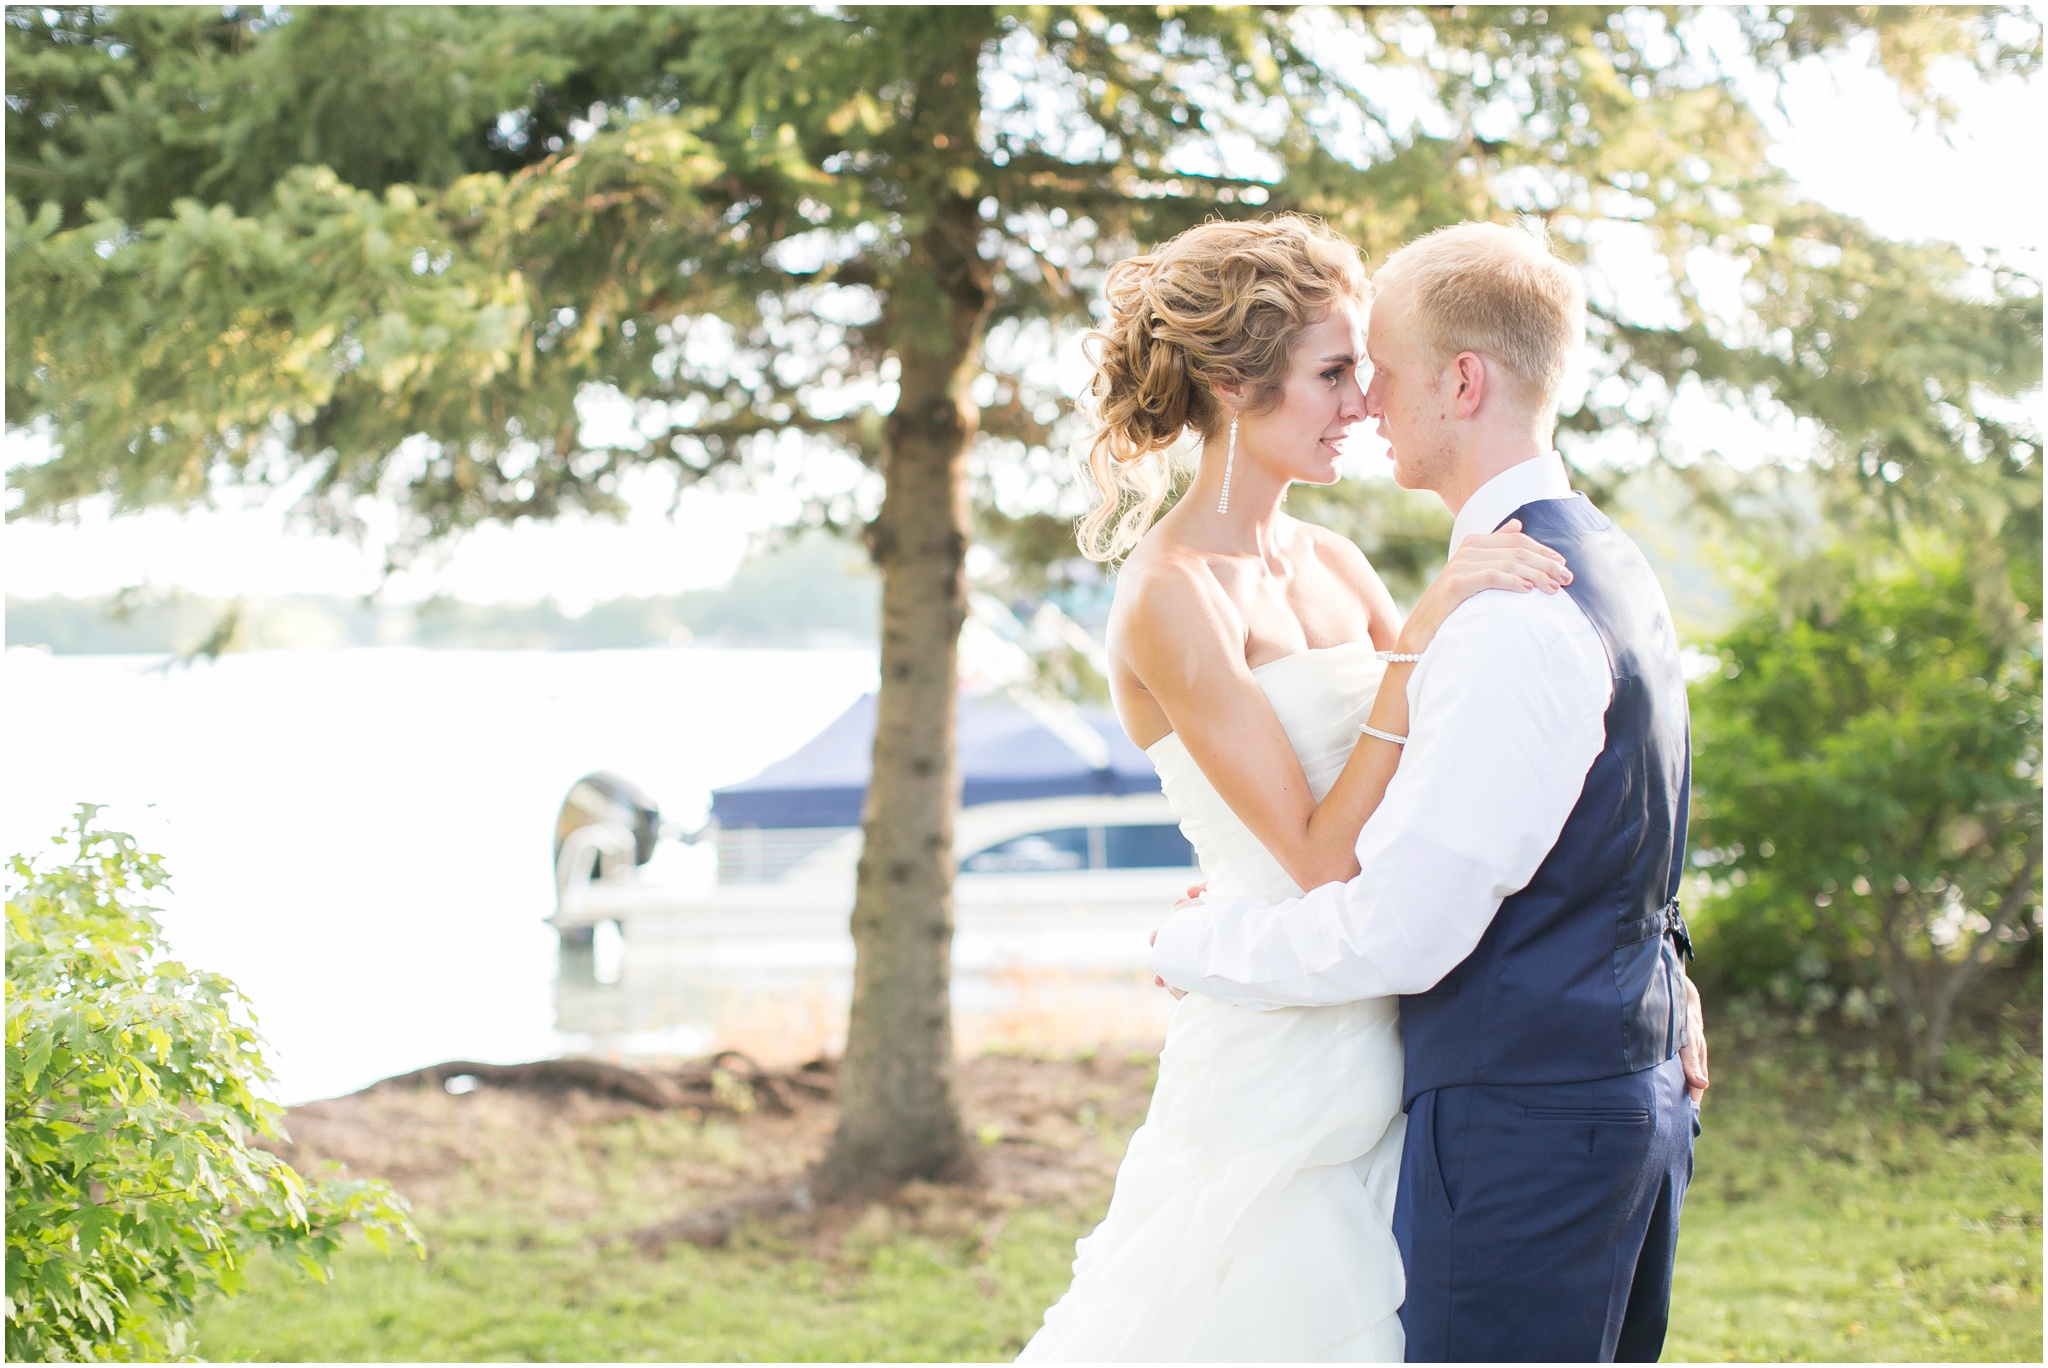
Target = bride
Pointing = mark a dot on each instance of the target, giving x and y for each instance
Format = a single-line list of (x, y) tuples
[(1252, 1213)]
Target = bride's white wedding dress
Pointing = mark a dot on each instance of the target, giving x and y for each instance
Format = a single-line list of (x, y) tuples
[(1252, 1217)]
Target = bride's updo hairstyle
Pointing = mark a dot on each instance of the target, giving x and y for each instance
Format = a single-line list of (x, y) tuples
[(1220, 305)]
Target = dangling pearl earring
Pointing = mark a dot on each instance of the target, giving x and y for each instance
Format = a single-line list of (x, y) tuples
[(1229, 460)]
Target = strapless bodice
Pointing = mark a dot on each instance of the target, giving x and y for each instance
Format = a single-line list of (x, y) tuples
[(1320, 697)]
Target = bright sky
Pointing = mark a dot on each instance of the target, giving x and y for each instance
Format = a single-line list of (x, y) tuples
[(1843, 136)]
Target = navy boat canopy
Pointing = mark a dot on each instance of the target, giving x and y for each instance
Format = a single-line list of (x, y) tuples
[(1007, 752)]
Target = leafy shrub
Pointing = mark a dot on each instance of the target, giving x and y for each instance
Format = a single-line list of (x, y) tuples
[(1868, 794), (133, 1189)]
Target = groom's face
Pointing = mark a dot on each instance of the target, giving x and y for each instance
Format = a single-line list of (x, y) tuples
[(1406, 396)]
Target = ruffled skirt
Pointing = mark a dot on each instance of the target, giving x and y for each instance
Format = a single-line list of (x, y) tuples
[(1253, 1214)]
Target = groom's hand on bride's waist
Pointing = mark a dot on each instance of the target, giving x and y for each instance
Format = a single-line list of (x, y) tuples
[(1193, 896), (1158, 982)]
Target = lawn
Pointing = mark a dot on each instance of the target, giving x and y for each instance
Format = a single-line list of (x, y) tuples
[(1833, 1216)]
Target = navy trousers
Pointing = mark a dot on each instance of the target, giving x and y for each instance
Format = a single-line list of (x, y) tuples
[(1539, 1223)]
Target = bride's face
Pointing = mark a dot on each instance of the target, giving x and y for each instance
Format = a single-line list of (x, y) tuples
[(1297, 437)]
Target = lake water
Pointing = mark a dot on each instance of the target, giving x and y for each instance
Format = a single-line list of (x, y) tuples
[(361, 838)]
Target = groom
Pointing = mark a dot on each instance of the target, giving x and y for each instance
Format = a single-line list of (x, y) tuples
[(1518, 885)]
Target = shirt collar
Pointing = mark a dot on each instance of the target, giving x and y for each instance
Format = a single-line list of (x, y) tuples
[(1541, 477)]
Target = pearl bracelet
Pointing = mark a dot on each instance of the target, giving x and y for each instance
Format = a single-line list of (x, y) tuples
[(1367, 729), (1398, 657)]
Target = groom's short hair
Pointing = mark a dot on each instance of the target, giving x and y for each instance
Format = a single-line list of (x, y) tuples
[(1484, 288)]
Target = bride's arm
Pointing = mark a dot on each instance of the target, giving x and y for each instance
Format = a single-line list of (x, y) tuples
[(1184, 642), (1175, 630), (1500, 560)]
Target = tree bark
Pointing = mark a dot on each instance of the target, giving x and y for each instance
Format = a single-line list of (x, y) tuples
[(1975, 963), (1898, 972), (899, 1110)]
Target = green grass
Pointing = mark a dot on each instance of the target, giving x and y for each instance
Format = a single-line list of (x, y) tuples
[(485, 1298), (1833, 1216), (931, 1277)]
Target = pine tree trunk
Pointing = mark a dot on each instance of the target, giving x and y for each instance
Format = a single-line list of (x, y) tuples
[(899, 1115)]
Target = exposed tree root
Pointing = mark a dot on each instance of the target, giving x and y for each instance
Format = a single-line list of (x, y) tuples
[(727, 1081), (529, 1134)]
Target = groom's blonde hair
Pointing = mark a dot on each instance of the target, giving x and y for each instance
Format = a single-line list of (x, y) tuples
[(1483, 288)]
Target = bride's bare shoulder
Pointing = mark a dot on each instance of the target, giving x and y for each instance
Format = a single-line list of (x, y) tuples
[(1165, 591)]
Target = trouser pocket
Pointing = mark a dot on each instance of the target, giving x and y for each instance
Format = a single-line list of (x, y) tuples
[(1603, 1116), (1433, 1139)]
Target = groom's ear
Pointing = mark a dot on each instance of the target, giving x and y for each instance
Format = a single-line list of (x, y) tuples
[(1470, 382)]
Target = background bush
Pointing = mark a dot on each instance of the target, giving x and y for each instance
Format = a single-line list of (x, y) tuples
[(133, 1189), (1868, 792)]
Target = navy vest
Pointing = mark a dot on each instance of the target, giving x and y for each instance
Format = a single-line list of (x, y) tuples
[(1578, 976)]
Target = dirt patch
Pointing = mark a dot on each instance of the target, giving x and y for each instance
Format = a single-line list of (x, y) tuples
[(1052, 1129), (1055, 1129)]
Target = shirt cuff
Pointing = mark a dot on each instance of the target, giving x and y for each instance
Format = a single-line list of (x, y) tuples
[(1179, 956), (1174, 947)]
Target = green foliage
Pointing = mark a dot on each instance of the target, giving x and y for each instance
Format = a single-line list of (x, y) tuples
[(133, 1188), (400, 245), (1868, 793), (1917, 383)]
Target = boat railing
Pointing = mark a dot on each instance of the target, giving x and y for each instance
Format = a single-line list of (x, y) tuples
[(754, 854)]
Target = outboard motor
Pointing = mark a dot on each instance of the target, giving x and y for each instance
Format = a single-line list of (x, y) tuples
[(605, 797), (607, 827)]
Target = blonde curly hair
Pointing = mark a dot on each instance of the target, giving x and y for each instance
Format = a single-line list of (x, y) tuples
[(1220, 305)]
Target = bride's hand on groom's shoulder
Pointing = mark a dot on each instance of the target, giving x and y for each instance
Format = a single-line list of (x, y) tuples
[(1507, 559)]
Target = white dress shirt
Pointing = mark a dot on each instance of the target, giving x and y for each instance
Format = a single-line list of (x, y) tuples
[(1506, 714)]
